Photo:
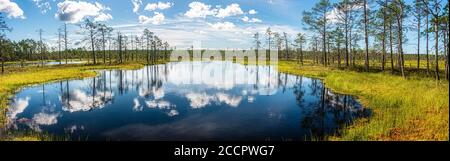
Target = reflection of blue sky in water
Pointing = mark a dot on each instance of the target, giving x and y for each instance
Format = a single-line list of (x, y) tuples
[(184, 101)]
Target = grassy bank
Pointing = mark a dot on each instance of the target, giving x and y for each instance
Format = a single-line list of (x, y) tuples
[(415, 108)]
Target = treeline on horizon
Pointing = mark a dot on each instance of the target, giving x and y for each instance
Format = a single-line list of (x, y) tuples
[(99, 45), (334, 41)]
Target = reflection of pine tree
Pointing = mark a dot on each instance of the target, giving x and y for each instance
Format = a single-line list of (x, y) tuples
[(313, 87), (104, 86), (93, 93), (329, 113), (43, 95), (126, 83), (148, 81), (68, 95), (165, 72), (110, 88), (257, 78), (299, 92), (121, 82), (285, 82), (279, 81)]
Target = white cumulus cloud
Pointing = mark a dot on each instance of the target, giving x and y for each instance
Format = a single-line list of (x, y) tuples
[(43, 5), (198, 9), (245, 19), (76, 11), (136, 5), (255, 20), (159, 5), (11, 9), (252, 20), (103, 17), (222, 26), (144, 19), (157, 19), (230, 10), (252, 12)]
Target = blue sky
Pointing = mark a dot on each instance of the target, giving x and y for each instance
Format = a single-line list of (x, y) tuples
[(225, 24)]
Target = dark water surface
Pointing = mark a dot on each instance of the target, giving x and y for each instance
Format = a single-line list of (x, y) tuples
[(185, 101)]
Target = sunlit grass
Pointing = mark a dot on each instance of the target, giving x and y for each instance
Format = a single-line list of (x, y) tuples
[(31, 136), (412, 64), (415, 108)]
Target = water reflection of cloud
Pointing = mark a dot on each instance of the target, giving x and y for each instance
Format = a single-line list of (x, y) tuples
[(267, 91), (200, 100), (81, 101), (250, 99), (157, 93), (244, 92), (253, 91), (143, 92), (17, 107), (225, 85), (45, 118), (137, 106), (156, 102), (73, 128), (172, 113), (232, 101), (161, 104), (221, 75), (38, 120)]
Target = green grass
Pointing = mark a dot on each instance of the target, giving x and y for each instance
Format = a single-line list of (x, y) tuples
[(416, 108), (31, 136)]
